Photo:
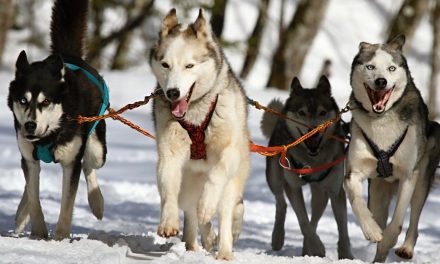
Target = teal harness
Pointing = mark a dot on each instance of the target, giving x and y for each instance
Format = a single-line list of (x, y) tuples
[(45, 152)]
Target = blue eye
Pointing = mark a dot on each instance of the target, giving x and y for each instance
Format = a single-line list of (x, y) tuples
[(391, 68), (370, 67), (23, 101), (189, 66)]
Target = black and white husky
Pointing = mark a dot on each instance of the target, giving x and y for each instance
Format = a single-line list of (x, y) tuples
[(44, 97), (394, 145)]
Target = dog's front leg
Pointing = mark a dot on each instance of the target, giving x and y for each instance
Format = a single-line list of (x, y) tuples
[(391, 233), (71, 174), (353, 187), (169, 177), (33, 194)]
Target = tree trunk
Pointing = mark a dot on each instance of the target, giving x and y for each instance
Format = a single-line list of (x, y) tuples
[(435, 61), (281, 22), (254, 41), (120, 61), (6, 14), (296, 42), (407, 19), (218, 16)]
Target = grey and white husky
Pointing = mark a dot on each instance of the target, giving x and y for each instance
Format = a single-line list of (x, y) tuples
[(44, 97), (394, 145), (311, 107), (202, 135)]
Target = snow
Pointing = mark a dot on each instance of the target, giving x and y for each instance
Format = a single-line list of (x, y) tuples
[(128, 181)]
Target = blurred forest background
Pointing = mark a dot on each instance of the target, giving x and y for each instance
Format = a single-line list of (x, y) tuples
[(138, 21)]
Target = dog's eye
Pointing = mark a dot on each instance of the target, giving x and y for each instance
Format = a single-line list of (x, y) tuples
[(23, 101), (323, 113), (370, 67), (45, 103), (189, 66), (392, 68), (165, 65), (301, 113)]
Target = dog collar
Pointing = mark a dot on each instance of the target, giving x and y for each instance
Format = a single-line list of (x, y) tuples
[(197, 133), (384, 166), (45, 152)]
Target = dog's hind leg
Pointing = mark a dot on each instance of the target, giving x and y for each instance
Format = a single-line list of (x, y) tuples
[(237, 221), (380, 193), (339, 207), (22, 214), (209, 238), (190, 230), (71, 174), (94, 157), (312, 245), (391, 233), (274, 177)]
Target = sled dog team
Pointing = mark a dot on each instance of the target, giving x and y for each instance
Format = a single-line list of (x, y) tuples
[(200, 118)]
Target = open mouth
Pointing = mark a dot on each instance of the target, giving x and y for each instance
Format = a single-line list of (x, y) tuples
[(179, 108), (312, 143), (379, 99)]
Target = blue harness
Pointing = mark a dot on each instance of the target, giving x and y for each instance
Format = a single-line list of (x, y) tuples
[(44, 152)]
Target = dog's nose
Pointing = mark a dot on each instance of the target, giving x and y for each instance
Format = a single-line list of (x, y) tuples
[(380, 83), (30, 126), (173, 94)]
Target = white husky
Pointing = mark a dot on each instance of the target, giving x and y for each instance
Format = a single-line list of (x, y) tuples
[(202, 135)]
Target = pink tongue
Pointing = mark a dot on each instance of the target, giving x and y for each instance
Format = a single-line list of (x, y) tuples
[(380, 99), (179, 108)]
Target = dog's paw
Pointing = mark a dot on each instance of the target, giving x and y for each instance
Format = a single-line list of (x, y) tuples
[(168, 228), (313, 246), (225, 255), (39, 232), (372, 231), (404, 252), (61, 234), (192, 247), (96, 203), (205, 211)]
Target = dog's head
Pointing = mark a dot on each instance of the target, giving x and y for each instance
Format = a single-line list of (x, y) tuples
[(379, 74), (311, 107), (35, 96), (185, 61)]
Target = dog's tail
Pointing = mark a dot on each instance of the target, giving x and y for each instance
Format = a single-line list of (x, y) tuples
[(68, 27), (269, 120)]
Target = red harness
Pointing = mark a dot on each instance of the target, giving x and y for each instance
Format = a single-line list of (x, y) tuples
[(197, 133)]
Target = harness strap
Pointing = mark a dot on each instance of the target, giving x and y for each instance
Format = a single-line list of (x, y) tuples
[(197, 133), (305, 172), (45, 152), (384, 166)]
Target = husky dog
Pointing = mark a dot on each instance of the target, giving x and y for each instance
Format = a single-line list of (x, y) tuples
[(312, 107), (394, 145), (44, 97), (202, 135)]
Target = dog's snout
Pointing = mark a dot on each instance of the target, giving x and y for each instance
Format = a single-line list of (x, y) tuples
[(173, 94), (380, 83), (30, 126)]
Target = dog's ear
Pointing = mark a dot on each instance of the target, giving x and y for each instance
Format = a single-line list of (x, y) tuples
[(168, 23), (397, 42), (295, 86), (55, 65), (324, 85), (364, 46), (201, 26), (22, 64)]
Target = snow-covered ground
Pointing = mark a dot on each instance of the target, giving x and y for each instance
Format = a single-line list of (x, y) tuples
[(127, 232)]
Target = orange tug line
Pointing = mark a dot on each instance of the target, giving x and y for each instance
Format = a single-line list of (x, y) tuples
[(262, 150)]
